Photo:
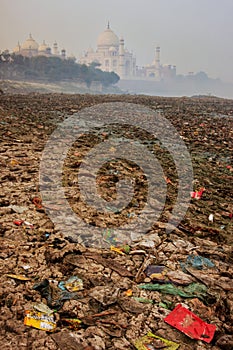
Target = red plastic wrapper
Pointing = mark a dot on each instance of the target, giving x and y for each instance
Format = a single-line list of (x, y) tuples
[(197, 194), (189, 324), (18, 222)]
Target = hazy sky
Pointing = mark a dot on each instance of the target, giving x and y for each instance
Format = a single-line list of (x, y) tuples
[(194, 35)]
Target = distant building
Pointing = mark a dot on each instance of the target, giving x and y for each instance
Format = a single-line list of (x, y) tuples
[(157, 71), (31, 48), (112, 55)]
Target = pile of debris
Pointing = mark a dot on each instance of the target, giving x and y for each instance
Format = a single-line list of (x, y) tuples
[(165, 291)]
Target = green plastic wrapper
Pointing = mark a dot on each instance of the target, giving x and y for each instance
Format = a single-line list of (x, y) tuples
[(194, 290), (153, 342)]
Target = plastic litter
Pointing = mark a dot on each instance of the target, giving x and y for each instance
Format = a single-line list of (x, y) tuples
[(188, 323), (28, 224), (194, 290), (39, 320), (47, 235), (21, 222), (73, 284), (18, 277), (197, 262), (14, 162), (18, 222), (157, 273), (43, 308), (211, 218), (55, 297), (197, 194), (166, 304), (153, 342), (117, 250), (128, 293), (126, 248)]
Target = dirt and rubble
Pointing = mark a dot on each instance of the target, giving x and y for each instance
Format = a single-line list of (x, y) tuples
[(109, 298)]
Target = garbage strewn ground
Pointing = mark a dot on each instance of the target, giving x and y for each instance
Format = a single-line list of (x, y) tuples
[(59, 294)]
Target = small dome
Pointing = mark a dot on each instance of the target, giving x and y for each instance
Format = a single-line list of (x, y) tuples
[(43, 47), (112, 49), (30, 44), (108, 38)]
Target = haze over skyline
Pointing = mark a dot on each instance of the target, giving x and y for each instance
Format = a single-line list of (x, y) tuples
[(194, 35)]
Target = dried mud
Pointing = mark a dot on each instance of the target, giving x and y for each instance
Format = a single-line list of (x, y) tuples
[(112, 318)]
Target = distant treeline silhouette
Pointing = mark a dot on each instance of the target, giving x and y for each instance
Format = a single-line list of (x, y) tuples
[(52, 69)]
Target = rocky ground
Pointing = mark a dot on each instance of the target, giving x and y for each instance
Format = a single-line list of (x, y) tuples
[(120, 295)]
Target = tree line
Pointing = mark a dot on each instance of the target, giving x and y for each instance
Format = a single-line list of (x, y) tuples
[(52, 69)]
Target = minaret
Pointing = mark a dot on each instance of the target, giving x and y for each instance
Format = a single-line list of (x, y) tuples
[(55, 49), (157, 56), (121, 58), (63, 53)]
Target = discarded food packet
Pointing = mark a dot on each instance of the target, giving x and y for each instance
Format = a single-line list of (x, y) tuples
[(157, 273), (39, 320), (43, 308), (18, 277), (154, 342), (188, 323), (74, 284)]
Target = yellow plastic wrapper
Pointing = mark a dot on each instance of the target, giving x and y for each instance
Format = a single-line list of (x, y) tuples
[(19, 277), (39, 320), (128, 292), (74, 284), (14, 162), (117, 250), (152, 341)]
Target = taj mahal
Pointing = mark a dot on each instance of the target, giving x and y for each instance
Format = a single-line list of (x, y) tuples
[(110, 55)]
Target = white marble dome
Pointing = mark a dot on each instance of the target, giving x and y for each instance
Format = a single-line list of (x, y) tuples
[(30, 44), (108, 39)]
